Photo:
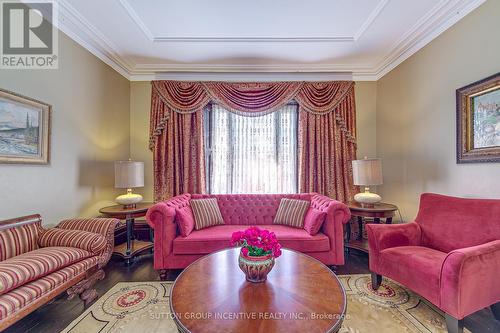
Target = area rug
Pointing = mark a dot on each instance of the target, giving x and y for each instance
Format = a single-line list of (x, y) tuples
[(140, 307)]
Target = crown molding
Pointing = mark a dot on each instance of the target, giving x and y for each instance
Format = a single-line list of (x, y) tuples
[(253, 39), (73, 24), (237, 72), (441, 17), (141, 68), (245, 76)]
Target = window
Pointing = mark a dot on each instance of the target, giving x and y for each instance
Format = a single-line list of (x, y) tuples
[(251, 154)]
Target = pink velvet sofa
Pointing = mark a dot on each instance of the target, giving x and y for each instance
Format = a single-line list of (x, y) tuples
[(450, 255), (240, 211)]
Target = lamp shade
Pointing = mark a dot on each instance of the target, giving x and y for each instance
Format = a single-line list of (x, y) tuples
[(367, 171), (129, 174)]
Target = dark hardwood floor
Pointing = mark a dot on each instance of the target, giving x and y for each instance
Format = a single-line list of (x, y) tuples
[(55, 316)]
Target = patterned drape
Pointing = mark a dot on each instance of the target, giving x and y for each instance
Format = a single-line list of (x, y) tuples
[(327, 129), (326, 149), (178, 153)]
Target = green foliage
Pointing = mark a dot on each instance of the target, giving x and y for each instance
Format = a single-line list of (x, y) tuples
[(254, 251)]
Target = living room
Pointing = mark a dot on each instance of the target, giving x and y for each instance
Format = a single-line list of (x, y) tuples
[(231, 166)]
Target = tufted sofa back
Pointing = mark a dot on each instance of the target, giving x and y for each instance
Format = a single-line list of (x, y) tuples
[(250, 209), (258, 209)]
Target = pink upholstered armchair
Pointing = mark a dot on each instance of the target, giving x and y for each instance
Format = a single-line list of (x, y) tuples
[(450, 255)]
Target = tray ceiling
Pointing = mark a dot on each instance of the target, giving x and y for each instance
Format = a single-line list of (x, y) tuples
[(279, 39)]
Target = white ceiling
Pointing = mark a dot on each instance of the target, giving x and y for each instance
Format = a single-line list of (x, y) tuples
[(242, 39)]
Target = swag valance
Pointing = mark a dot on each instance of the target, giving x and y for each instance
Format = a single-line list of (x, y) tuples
[(252, 99), (326, 131)]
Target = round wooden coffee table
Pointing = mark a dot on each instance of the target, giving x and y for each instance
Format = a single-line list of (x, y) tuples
[(300, 295)]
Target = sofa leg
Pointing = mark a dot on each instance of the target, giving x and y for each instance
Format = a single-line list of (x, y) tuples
[(163, 274), (84, 288), (376, 281), (495, 308), (453, 324)]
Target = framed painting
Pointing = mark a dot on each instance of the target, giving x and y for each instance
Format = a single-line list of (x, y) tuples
[(24, 129), (478, 121)]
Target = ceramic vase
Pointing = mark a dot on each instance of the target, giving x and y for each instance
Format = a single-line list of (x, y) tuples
[(256, 268)]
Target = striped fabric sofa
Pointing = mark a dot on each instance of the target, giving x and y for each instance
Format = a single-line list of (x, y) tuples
[(37, 264)]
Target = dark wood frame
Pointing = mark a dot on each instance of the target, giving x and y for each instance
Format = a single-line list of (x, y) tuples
[(80, 285), (133, 246), (466, 153), (358, 212), (45, 123)]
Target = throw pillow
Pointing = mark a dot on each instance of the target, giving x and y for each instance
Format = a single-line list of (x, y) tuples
[(206, 213), (88, 241), (314, 220), (185, 220), (291, 212)]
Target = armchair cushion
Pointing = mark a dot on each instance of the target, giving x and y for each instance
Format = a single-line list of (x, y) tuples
[(416, 267), (88, 241), (26, 267)]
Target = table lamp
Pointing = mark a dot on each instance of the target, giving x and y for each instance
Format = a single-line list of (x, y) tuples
[(366, 172), (129, 174)]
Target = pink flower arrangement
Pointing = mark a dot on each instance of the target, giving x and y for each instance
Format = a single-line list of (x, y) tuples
[(256, 242)]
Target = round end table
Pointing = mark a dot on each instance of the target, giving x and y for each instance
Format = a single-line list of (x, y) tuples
[(376, 212), (132, 247)]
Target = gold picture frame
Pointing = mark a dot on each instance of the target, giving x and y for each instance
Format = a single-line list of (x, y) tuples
[(24, 129), (478, 121)]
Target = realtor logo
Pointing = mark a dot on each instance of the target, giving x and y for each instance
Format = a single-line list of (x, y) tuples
[(28, 38)]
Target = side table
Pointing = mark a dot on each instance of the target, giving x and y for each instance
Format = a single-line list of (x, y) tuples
[(376, 211), (132, 247)]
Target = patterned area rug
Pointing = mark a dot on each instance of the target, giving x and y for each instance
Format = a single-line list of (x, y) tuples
[(138, 307)]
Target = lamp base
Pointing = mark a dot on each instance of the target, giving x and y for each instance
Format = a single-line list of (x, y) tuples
[(367, 197), (129, 199)]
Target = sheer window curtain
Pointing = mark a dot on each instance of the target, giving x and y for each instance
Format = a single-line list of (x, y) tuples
[(256, 154)]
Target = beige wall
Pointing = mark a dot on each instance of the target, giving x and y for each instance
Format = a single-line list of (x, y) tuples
[(416, 114), (90, 129), (366, 119), (140, 104)]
